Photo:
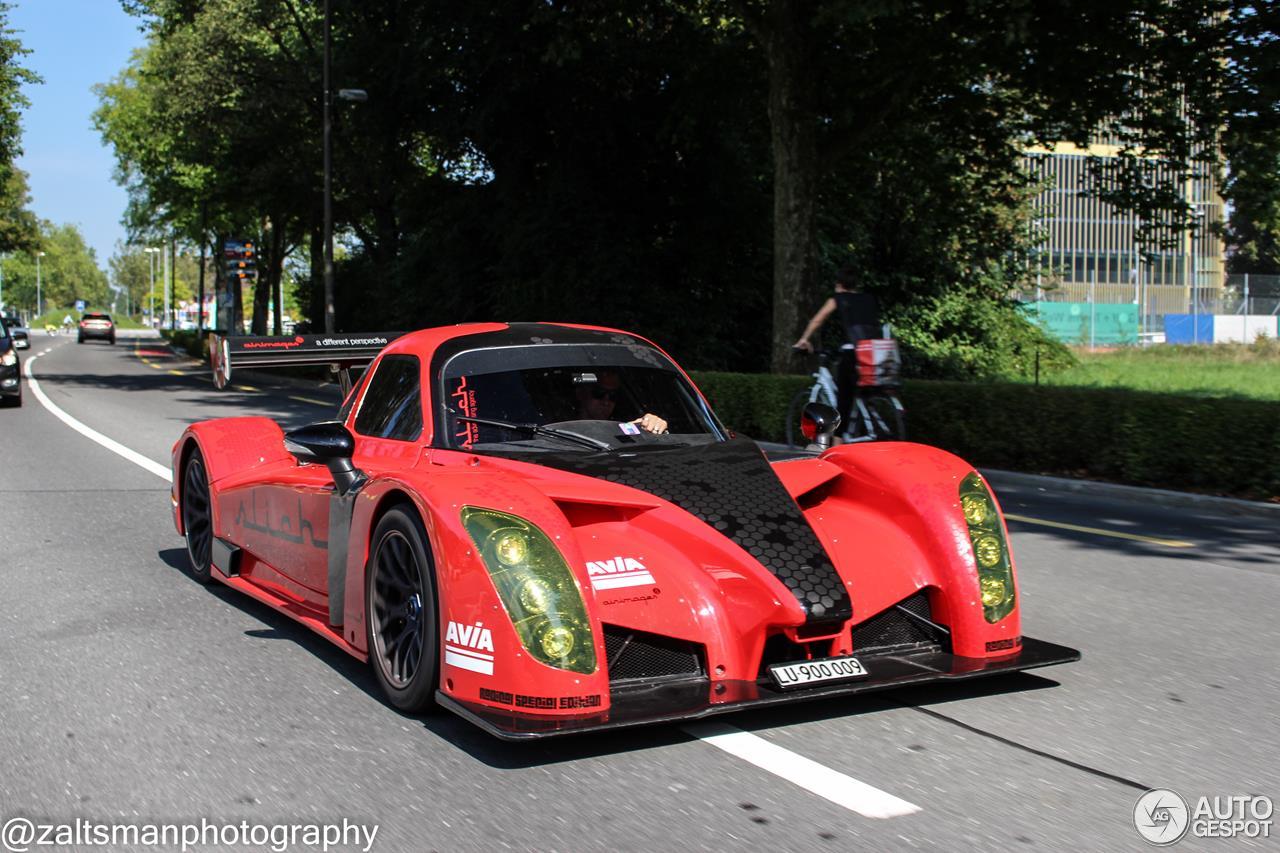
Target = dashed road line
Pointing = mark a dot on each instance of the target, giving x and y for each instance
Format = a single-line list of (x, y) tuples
[(309, 400), (1097, 531)]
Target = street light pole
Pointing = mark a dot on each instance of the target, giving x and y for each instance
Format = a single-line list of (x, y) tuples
[(328, 188), (151, 300), (346, 95), (39, 301)]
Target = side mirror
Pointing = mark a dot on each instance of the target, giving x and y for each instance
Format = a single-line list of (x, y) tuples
[(818, 422), (330, 443)]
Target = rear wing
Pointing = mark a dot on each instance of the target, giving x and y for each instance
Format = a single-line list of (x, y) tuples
[(340, 352)]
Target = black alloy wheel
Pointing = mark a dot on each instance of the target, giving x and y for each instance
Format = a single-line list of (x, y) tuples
[(197, 517), (400, 611)]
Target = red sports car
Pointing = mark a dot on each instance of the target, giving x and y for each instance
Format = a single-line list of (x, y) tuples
[(546, 529)]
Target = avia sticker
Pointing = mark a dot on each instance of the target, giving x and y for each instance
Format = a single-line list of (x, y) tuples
[(469, 647), (618, 572)]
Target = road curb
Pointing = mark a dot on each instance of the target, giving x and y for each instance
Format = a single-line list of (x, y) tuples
[(1162, 497)]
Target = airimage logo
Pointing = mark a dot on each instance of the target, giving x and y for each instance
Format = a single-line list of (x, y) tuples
[(618, 572), (469, 647)]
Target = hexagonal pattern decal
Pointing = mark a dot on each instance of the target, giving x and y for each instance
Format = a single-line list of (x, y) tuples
[(731, 487)]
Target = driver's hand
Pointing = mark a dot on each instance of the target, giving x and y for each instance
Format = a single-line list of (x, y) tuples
[(803, 344), (651, 423)]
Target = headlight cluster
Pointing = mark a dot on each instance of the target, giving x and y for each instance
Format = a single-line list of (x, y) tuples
[(990, 550), (536, 588), (9, 359)]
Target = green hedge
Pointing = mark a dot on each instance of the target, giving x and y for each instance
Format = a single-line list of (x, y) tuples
[(189, 341), (1220, 446)]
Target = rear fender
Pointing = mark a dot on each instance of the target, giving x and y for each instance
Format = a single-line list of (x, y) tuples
[(904, 502), (230, 446)]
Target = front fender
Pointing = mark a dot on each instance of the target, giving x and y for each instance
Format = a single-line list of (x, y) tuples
[(466, 595), (893, 524)]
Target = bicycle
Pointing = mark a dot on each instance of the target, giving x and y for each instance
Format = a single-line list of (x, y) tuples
[(878, 413)]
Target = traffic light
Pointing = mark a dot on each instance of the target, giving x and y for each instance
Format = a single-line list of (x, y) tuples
[(241, 260)]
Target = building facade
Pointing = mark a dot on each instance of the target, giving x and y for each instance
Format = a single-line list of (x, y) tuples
[(1092, 251)]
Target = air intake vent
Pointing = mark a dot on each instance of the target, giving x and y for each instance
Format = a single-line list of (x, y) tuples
[(635, 655), (892, 630)]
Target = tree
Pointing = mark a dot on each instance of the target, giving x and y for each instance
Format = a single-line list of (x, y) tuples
[(1252, 140), (17, 224), (130, 271), (846, 76)]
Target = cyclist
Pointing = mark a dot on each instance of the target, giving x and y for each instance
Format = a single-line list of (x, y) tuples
[(860, 317)]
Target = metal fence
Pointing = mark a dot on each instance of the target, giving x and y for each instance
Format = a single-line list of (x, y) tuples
[(1246, 295)]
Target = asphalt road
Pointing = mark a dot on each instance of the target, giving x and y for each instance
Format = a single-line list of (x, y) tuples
[(128, 693)]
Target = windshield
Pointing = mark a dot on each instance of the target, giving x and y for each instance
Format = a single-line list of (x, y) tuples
[(596, 400)]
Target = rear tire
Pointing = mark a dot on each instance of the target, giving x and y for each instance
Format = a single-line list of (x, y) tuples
[(197, 517), (401, 624)]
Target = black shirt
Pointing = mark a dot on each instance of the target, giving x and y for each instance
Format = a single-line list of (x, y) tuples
[(860, 315)]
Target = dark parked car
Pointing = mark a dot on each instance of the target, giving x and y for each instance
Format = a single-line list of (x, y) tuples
[(10, 370), (21, 334), (97, 326)]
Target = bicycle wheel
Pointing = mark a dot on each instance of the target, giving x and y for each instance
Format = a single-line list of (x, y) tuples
[(888, 418)]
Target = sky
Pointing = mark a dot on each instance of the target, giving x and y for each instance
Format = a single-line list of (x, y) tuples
[(74, 44)]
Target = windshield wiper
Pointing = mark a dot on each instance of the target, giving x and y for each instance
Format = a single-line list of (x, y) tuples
[(538, 429)]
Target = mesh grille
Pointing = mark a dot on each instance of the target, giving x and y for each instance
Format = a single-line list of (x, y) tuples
[(892, 629), (636, 654)]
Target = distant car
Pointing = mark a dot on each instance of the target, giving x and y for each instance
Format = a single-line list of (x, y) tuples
[(486, 524), (97, 326), (21, 334), (10, 369)]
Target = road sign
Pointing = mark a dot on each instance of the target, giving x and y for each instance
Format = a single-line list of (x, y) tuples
[(80, 305)]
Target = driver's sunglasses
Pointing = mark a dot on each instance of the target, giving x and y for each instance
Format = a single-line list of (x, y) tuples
[(598, 393)]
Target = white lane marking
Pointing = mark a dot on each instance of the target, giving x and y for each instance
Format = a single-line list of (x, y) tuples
[(109, 443), (808, 774)]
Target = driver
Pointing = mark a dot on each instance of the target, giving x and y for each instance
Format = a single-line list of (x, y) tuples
[(597, 400)]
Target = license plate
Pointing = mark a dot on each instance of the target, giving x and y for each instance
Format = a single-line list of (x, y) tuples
[(802, 673)]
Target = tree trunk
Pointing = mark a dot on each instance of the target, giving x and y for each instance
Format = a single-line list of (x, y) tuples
[(795, 165), (275, 274), (315, 304)]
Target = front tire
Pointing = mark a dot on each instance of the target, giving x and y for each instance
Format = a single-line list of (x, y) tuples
[(400, 611), (197, 517)]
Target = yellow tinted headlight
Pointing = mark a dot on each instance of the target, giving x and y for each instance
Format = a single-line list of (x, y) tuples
[(511, 548), (990, 549), (536, 587), (977, 511)]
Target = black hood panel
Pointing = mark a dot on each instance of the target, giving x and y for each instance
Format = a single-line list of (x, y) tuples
[(731, 487)]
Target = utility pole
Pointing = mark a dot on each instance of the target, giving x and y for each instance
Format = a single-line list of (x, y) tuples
[(39, 301), (151, 300), (328, 187)]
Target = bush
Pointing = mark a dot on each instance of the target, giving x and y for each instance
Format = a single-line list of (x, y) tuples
[(1219, 446), (189, 341)]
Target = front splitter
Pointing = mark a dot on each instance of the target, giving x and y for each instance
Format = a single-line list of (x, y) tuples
[(667, 702)]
